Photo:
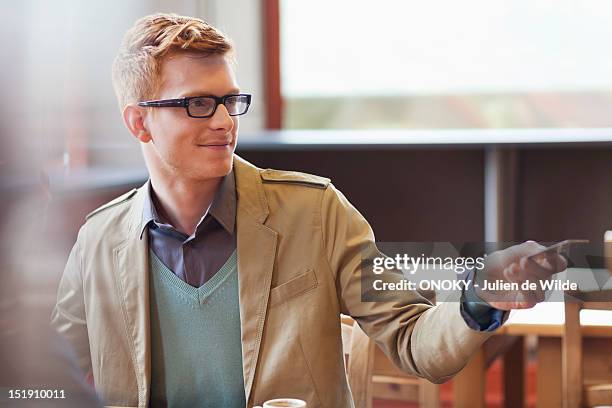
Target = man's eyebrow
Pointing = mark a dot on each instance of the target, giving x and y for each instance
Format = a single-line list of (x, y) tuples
[(206, 93)]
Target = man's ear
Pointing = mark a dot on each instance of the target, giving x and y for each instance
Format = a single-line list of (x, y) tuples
[(134, 118)]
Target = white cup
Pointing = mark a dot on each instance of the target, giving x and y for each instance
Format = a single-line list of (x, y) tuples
[(285, 402)]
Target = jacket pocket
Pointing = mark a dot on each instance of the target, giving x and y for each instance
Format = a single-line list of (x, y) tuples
[(286, 372), (302, 283)]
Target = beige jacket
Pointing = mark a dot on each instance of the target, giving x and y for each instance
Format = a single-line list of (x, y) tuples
[(299, 242)]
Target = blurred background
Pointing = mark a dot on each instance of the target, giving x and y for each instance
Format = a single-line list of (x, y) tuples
[(439, 65), (325, 65), (441, 121)]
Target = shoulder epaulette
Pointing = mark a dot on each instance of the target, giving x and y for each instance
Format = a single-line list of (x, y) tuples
[(112, 203), (294, 177)]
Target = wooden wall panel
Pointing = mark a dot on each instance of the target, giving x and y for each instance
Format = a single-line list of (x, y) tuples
[(565, 193), (406, 195)]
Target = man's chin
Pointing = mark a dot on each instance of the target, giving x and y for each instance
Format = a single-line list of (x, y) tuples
[(217, 169)]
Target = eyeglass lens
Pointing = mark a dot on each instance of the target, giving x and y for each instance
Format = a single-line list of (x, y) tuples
[(204, 106)]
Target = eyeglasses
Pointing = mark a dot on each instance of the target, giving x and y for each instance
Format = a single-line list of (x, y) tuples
[(205, 106)]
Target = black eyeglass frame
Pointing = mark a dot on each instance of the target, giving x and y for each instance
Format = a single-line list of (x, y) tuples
[(184, 103)]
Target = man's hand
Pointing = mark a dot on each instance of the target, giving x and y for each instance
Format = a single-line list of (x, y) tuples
[(512, 266)]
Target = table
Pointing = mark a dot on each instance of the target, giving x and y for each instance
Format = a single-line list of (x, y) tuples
[(545, 321)]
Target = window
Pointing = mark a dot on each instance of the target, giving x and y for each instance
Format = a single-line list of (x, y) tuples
[(440, 64)]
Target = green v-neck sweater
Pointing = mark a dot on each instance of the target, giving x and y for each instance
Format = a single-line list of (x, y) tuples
[(196, 352)]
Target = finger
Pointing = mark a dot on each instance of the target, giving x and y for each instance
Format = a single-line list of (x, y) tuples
[(516, 252), (533, 270), (534, 296), (526, 305), (531, 247), (524, 300), (530, 297), (539, 296), (561, 263), (511, 272), (554, 262)]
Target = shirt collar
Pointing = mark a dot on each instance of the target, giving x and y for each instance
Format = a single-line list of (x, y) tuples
[(223, 207)]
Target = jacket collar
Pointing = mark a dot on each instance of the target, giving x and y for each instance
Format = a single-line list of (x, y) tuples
[(247, 185), (250, 189)]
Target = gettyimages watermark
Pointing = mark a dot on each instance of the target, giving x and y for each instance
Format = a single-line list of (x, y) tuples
[(446, 271)]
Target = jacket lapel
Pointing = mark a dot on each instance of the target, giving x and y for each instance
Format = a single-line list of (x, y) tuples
[(256, 254), (131, 275)]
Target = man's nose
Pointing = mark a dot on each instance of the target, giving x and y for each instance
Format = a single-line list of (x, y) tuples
[(222, 119)]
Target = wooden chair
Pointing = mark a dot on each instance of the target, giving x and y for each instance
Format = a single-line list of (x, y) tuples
[(372, 375), (587, 368)]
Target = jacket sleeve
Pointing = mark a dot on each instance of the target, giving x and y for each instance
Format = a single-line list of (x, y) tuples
[(430, 341), (68, 316)]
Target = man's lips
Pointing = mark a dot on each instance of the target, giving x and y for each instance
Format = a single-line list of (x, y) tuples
[(212, 144)]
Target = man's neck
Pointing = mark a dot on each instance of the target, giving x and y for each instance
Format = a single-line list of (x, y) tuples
[(184, 202)]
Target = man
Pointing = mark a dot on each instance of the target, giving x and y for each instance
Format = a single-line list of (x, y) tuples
[(221, 284)]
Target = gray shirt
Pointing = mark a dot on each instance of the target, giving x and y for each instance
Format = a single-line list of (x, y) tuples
[(197, 257)]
